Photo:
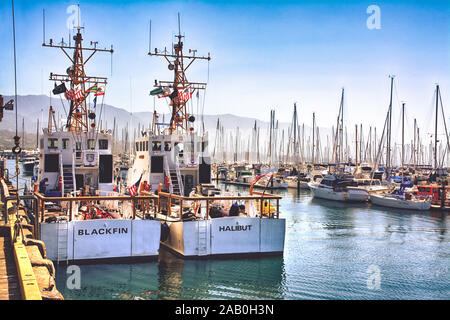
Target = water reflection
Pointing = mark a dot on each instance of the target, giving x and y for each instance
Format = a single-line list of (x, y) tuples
[(175, 278)]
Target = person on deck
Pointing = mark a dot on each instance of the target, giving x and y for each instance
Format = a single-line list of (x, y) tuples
[(43, 185)]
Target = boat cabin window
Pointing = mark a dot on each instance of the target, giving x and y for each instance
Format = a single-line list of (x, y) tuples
[(41, 142), (137, 146), (51, 163), (78, 145), (141, 146), (146, 146), (91, 144), (156, 164), (52, 143), (167, 146), (65, 144), (105, 168), (156, 146), (103, 144)]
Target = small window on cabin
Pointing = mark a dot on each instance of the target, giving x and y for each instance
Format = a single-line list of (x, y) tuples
[(146, 146), (78, 145), (52, 143), (41, 142), (91, 144), (141, 146), (137, 146), (156, 146), (167, 146), (103, 144), (65, 144)]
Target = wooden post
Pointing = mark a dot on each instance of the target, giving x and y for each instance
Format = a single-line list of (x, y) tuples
[(169, 205), (133, 204), (207, 209), (42, 209), (181, 208), (278, 208), (261, 208), (70, 210)]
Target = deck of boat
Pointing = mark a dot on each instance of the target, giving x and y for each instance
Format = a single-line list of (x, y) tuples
[(9, 280)]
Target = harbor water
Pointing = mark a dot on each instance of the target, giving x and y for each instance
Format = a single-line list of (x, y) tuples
[(332, 251)]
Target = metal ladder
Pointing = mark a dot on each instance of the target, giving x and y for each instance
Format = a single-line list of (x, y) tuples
[(202, 240), (62, 242)]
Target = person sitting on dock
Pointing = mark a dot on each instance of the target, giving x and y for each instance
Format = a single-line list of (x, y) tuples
[(43, 185)]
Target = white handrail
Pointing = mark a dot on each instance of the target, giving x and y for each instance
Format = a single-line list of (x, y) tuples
[(180, 181), (167, 172)]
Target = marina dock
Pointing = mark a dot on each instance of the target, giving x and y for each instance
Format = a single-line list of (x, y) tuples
[(9, 279), (25, 273)]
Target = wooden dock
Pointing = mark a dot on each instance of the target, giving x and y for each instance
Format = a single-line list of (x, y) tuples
[(9, 279), (25, 271)]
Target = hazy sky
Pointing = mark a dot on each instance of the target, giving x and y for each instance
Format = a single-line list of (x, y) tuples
[(265, 54)]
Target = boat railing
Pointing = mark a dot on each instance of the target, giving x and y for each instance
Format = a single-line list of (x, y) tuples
[(263, 200), (68, 207)]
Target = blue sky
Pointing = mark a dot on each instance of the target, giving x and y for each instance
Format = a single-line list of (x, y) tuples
[(265, 54)]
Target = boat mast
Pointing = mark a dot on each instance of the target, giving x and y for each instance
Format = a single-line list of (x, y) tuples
[(78, 117), (388, 151), (181, 88), (403, 134), (436, 128), (313, 141)]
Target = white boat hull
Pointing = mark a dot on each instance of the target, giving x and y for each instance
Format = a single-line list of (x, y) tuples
[(352, 195), (225, 236), (101, 239), (384, 201)]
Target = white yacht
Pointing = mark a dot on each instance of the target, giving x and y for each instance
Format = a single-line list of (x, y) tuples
[(338, 188)]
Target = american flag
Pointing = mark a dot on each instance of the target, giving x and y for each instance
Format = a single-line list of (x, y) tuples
[(133, 190), (69, 94)]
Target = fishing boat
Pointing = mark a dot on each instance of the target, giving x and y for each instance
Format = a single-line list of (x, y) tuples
[(80, 214), (401, 199), (197, 219), (439, 195), (338, 188)]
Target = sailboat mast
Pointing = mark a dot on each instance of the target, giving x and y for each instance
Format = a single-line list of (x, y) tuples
[(388, 151), (436, 128), (313, 141), (403, 134)]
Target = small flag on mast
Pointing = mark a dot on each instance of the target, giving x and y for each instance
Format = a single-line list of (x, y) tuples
[(100, 91)]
